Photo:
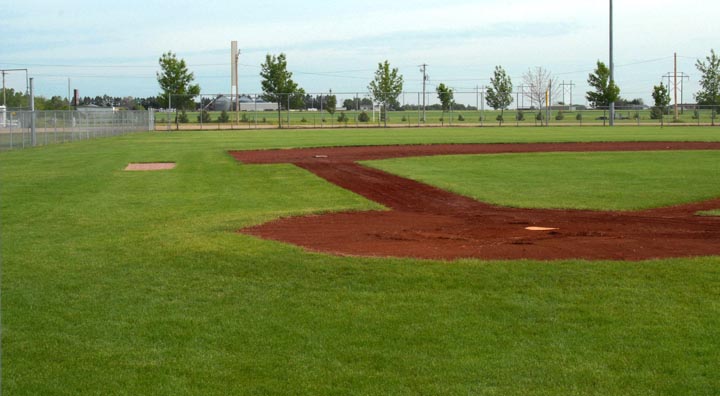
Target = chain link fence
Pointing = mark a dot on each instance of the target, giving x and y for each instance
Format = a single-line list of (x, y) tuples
[(411, 109), (24, 128)]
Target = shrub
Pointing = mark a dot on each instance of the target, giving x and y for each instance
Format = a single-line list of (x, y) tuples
[(696, 115), (342, 117), (656, 113), (500, 118), (264, 120), (244, 118), (520, 116), (204, 116), (363, 117), (636, 116), (460, 117), (183, 117), (578, 117), (224, 117), (303, 120), (404, 119), (539, 116), (560, 116)]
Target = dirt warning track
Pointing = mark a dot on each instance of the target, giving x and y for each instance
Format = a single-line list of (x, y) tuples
[(427, 222)]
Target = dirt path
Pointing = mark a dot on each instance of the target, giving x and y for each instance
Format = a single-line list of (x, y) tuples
[(427, 222)]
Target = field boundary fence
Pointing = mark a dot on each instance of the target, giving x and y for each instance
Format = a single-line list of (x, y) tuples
[(410, 109), (24, 128)]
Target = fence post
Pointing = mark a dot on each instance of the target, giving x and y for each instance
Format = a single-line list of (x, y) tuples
[(32, 114), (11, 133)]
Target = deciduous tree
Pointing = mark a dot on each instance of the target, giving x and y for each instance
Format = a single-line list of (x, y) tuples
[(661, 96), (331, 104), (15, 99), (445, 95), (537, 82), (277, 83), (386, 87), (177, 89), (606, 91), (709, 93), (499, 94)]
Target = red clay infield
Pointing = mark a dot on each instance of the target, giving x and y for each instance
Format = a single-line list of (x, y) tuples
[(426, 222)]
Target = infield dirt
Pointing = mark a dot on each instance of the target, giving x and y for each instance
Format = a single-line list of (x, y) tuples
[(427, 222)]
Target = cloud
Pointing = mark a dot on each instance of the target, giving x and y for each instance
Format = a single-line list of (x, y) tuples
[(458, 38)]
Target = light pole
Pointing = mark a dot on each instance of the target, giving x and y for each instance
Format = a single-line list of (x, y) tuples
[(612, 66)]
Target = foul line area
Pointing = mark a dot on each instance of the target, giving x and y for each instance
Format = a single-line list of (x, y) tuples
[(427, 222)]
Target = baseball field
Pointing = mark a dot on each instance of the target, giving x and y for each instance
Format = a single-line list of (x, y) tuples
[(463, 261)]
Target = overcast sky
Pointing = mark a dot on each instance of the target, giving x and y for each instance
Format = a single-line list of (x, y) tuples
[(113, 47)]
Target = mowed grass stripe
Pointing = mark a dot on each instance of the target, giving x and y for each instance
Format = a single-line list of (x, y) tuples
[(599, 181), (136, 283)]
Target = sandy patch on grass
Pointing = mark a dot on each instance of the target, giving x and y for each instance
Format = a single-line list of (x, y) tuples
[(149, 166)]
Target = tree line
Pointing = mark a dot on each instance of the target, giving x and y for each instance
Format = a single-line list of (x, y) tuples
[(178, 90), (19, 100)]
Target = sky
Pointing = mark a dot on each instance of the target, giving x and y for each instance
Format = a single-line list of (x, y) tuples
[(113, 47)]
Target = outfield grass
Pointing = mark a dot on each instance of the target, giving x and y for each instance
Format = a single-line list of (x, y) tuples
[(606, 180), (135, 283), (710, 213)]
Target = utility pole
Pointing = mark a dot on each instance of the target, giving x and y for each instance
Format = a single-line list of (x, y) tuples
[(683, 76), (676, 86), (423, 69), (612, 66), (234, 55), (4, 98)]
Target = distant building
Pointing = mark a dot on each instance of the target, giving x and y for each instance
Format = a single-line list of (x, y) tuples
[(247, 103), (91, 108)]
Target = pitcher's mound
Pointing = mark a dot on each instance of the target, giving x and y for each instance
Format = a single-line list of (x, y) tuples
[(149, 166)]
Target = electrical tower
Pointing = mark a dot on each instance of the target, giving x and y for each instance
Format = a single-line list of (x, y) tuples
[(676, 83), (522, 97), (571, 85)]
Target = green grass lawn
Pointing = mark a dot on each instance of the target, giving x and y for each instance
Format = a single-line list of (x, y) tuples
[(608, 180), (126, 283), (710, 213)]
